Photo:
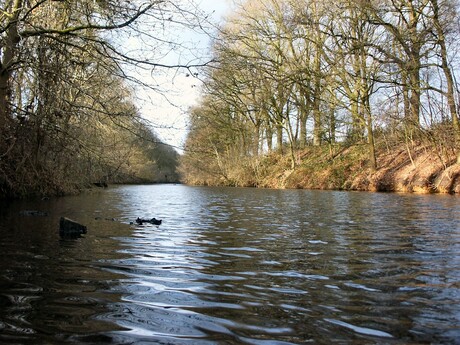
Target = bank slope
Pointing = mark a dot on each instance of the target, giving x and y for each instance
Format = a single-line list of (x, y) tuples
[(422, 169)]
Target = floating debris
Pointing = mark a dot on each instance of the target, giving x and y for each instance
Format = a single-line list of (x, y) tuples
[(153, 221)]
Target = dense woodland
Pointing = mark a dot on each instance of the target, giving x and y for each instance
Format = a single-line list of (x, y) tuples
[(67, 113), (312, 88), (339, 80)]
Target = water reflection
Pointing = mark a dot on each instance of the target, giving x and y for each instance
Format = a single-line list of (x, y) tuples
[(234, 266)]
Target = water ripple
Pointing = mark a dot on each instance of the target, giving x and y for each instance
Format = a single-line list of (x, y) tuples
[(231, 266), (360, 330)]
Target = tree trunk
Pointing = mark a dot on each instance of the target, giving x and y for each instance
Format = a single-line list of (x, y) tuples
[(332, 125), (406, 99), (450, 94), (269, 138), (279, 138), (317, 131), (303, 109), (303, 129), (8, 51), (4, 99), (370, 136), (256, 140), (414, 100)]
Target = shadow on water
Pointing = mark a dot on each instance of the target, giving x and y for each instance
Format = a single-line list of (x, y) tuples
[(233, 266), (50, 287)]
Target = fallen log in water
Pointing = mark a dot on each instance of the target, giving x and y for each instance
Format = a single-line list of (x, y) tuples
[(69, 227)]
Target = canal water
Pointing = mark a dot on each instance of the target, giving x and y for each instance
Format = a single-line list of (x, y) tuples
[(232, 266)]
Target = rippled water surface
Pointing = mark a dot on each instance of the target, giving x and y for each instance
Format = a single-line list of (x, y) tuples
[(232, 266)]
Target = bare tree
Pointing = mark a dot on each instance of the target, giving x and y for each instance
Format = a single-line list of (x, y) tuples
[(408, 33), (444, 13), (64, 76)]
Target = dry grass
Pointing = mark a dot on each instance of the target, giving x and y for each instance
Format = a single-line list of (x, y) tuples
[(420, 169)]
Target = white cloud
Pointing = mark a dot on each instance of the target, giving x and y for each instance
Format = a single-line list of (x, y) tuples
[(178, 88), (167, 109)]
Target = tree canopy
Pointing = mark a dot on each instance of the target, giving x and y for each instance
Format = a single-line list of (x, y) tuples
[(67, 111), (291, 74)]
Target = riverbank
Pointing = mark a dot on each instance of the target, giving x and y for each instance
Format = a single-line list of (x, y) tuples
[(420, 169)]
